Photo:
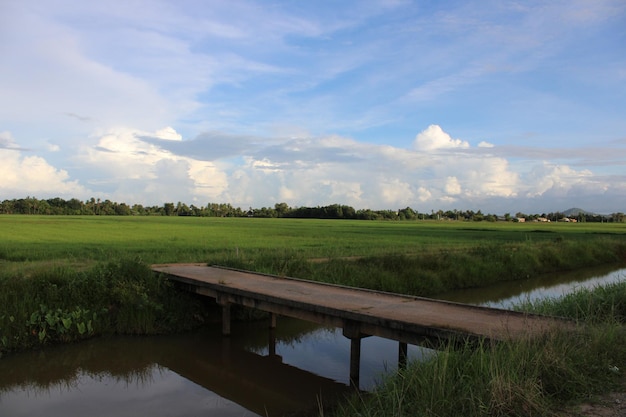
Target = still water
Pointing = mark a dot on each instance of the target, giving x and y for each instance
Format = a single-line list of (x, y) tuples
[(251, 373)]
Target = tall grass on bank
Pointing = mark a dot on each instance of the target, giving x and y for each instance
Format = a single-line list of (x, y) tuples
[(532, 377), (62, 304), (428, 272), (601, 304)]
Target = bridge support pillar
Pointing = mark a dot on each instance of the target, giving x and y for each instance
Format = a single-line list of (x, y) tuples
[(355, 362), (272, 341), (352, 331), (271, 344), (225, 304), (226, 320)]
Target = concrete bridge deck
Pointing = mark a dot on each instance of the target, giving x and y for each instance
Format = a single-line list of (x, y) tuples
[(360, 313), (389, 315)]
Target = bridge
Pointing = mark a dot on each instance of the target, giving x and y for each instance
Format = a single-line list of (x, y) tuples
[(359, 312)]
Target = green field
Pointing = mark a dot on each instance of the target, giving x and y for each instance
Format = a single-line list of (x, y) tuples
[(191, 239), (414, 257)]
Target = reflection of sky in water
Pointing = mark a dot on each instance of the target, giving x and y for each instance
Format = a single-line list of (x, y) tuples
[(163, 393), (556, 291), (326, 352)]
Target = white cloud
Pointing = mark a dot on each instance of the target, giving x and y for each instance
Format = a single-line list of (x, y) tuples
[(52, 147), (7, 141), (484, 144), (423, 194), (552, 179), (286, 194), (120, 156), (23, 175), (129, 165), (334, 169), (395, 192), (491, 176), (434, 138), (168, 133), (453, 187)]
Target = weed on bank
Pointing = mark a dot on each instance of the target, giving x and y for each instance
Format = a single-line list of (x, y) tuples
[(427, 272), (47, 305)]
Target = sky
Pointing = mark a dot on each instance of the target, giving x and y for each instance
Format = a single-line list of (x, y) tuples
[(493, 105)]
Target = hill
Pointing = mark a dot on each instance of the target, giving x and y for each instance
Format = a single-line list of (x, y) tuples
[(575, 211)]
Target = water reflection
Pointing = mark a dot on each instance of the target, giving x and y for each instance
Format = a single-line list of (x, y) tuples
[(159, 392), (193, 374), (325, 351), (189, 374)]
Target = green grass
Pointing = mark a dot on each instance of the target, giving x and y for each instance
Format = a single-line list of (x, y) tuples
[(606, 303), (180, 239)]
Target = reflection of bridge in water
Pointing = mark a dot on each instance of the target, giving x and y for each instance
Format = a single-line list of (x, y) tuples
[(360, 313), (262, 384)]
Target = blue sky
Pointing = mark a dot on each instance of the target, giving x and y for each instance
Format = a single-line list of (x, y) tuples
[(502, 106)]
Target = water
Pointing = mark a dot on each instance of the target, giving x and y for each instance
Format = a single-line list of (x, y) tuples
[(203, 374), (507, 294)]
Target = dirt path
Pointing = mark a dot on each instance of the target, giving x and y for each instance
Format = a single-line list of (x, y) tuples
[(609, 405)]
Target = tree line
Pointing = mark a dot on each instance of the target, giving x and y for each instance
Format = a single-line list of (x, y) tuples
[(98, 207)]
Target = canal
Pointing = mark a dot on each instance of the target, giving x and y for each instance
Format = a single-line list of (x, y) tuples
[(202, 373)]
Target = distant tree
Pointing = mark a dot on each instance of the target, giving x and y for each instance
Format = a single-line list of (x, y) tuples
[(348, 212), (43, 207), (122, 209), (6, 207), (618, 217), (138, 209), (282, 209), (168, 209), (107, 207), (407, 214), (182, 209)]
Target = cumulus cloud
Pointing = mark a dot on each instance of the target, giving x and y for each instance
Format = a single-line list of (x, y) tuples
[(434, 138), (452, 187), (135, 166), (121, 155), (168, 133), (206, 146), (23, 175), (559, 180), (332, 169)]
